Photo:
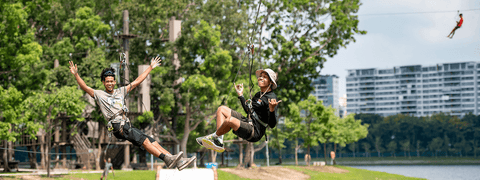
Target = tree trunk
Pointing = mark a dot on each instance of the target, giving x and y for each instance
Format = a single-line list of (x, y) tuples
[(31, 157), (307, 160), (47, 152), (280, 155), (475, 148), (42, 150), (212, 156), (248, 155), (279, 149), (335, 151), (296, 154), (418, 152), (325, 151), (11, 152), (252, 155), (5, 157), (354, 147), (101, 137), (142, 156), (186, 130), (240, 156)]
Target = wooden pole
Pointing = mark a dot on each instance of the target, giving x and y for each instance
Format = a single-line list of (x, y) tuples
[(126, 51)]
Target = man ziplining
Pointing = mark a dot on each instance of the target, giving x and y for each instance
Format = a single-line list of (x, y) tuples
[(262, 113), (459, 25), (112, 104)]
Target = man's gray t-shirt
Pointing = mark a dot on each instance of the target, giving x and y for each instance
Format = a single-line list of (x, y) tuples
[(110, 104)]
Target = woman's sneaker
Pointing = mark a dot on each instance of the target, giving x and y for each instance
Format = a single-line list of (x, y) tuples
[(199, 141), (171, 160), (213, 143)]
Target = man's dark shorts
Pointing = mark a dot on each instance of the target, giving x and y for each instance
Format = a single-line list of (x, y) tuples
[(456, 27), (134, 135), (246, 130)]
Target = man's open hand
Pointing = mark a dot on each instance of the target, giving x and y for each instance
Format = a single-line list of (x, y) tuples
[(73, 68), (155, 62)]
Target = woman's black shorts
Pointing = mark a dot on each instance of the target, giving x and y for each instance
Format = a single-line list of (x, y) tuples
[(247, 131)]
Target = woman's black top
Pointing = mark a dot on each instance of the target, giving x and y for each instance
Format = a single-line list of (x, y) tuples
[(260, 106)]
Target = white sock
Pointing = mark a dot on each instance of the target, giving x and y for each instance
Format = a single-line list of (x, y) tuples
[(220, 138)]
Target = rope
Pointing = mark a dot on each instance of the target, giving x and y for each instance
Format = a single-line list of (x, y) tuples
[(250, 50), (404, 13)]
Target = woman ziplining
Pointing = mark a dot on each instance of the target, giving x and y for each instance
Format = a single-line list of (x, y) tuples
[(261, 110), (459, 25), (112, 104)]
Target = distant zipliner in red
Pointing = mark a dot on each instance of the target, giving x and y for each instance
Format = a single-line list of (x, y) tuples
[(459, 25)]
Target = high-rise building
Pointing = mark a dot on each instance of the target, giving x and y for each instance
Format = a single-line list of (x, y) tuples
[(326, 89), (416, 90), (342, 110)]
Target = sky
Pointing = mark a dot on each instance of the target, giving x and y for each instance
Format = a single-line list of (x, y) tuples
[(407, 39)]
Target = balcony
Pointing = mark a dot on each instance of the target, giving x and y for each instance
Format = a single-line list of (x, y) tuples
[(409, 108), (367, 109)]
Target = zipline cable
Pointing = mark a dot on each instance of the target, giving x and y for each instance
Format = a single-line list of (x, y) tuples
[(407, 13)]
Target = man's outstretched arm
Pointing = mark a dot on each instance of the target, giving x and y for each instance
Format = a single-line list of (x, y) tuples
[(74, 71), (155, 62)]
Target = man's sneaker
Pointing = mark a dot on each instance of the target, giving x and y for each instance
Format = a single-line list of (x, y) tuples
[(171, 160), (199, 141), (213, 143), (185, 162)]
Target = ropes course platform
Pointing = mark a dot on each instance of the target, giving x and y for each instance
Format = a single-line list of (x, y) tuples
[(186, 174)]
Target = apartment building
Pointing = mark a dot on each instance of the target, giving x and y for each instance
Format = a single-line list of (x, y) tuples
[(326, 89), (415, 89)]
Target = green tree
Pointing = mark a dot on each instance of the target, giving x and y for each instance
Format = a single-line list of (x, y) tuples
[(46, 107), (366, 148), (351, 147), (436, 144), (18, 49), (350, 130), (303, 34), (206, 51), (392, 147), (378, 146), (19, 73), (461, 146), (405, 147)]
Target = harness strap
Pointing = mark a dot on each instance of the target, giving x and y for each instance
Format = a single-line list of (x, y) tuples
[(122, 120), (254, 115)]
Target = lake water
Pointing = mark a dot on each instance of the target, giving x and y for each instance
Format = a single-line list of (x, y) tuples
[(434, 172)]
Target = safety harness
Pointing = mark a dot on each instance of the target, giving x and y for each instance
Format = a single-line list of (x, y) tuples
[(120, 116)]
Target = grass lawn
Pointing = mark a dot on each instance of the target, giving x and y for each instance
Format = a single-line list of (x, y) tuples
[(146, 174), (119, 175), (352, 174), (137, 174)]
